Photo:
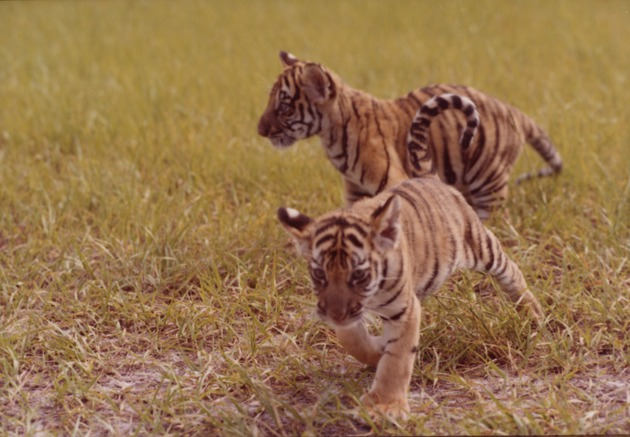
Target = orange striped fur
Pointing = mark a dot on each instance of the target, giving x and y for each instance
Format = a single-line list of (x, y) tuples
[(365, 138), (383, 255)]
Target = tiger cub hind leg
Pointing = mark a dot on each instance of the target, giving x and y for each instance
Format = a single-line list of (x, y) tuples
[(490, 258)]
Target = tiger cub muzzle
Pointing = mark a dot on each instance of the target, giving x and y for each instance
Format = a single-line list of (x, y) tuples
[(339, 308), (269, 127)]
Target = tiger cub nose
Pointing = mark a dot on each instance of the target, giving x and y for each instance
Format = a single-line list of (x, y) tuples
[(333, 313), (263, 127)]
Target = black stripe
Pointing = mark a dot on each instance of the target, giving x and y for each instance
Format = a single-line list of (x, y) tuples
[(383, 182), (416, 100), (481, 143), (497, 129), (449, 174), (495, 175), (431, 111), (490, 253), (502, 270), (344, 146), (359, 228), (442, 103), (466, 139), (296, 95), (357, 194), (354, 240), (432, 90), (324, 239), (332, 137), (421, 122), (396, 316), (406, 106), (497, 186), (392, 286), (331, 84), (472, 123), (393, 298), (342, 223), (325, 226), (356, 148), (378, 211), (434, 274), (430, 228), (473, 96), (468, 238), (457, 102), (285, 80), (469, 110), (406, 196)]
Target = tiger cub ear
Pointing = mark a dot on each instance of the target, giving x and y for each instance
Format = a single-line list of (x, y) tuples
[(287, 59), (318, 84), (296, 223), (386, 227)]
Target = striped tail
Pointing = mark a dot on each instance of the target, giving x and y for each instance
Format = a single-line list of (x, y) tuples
[(421, 161), (540, 141)]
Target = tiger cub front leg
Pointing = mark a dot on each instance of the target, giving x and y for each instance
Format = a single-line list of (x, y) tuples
[(390, 388), (355, 339)]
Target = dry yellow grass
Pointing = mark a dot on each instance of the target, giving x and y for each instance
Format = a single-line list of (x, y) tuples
[(146, 288)]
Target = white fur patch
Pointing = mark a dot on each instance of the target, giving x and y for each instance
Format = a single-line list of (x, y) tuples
[(292, 213)]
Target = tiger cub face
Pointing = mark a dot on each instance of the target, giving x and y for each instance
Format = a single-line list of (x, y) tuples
[(347, 257), (293, 111)]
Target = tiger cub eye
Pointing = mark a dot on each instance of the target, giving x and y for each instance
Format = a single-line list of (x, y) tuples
[(285, 109), (360, 275), (318, 274)]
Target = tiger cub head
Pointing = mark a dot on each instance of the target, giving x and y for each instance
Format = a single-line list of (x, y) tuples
[(296, 102), (347, 254)]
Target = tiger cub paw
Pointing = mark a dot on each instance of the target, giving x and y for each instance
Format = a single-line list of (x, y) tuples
[(396, 409)]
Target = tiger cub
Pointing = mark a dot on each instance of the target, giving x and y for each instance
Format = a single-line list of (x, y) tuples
[(365, 137), (383, 255)]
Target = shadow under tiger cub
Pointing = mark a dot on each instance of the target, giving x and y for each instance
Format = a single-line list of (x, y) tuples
[(365, 137), (383, 255)]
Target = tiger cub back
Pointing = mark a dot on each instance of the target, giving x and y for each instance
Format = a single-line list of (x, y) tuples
[(365, 138), (382, 255)]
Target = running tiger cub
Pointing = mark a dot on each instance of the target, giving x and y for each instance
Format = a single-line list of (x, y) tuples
[(384, 254), (365, 137)]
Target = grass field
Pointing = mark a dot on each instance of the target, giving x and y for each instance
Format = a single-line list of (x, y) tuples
[(146, 287)]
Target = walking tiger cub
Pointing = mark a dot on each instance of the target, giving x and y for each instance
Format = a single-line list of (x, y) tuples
[(365, 137), (383, 254)]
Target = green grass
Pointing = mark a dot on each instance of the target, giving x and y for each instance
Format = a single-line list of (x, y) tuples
[(146, 287)]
